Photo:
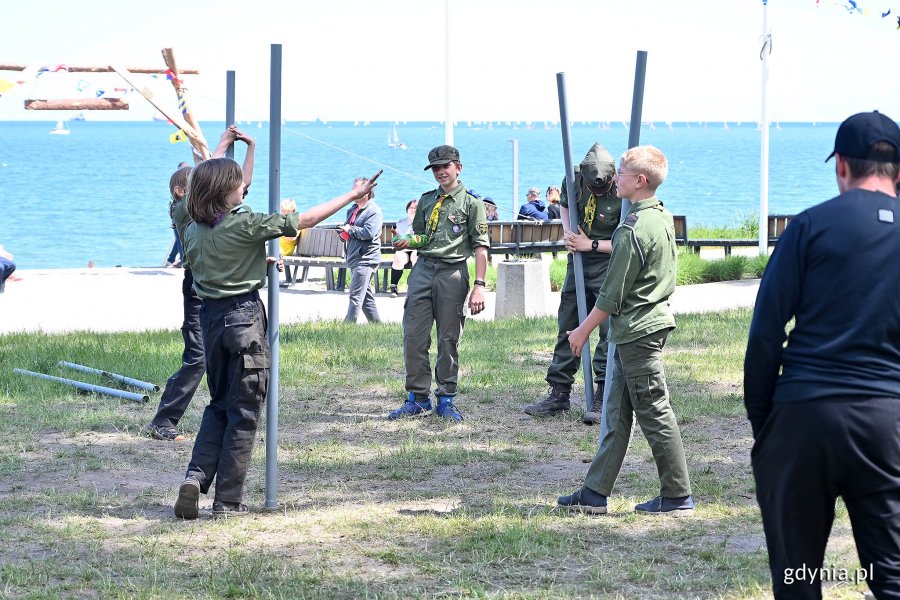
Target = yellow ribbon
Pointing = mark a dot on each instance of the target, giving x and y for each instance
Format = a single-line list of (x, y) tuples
[(435, 213), (589, 212)]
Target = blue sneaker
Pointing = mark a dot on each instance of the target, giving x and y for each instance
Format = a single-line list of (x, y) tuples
[(447, 410), (671, 507), (412, 408), (584, 500)]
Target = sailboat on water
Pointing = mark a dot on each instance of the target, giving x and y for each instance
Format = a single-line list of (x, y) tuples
[(60, 129), (394, 139)]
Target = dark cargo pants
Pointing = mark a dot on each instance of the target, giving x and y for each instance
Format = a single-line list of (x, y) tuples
[(638, 386), (565, 364), (237, 367), (182, 385), (436, 295), (806, 455)]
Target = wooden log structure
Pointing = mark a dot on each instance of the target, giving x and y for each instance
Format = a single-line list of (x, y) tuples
[(196, 138), (104, 69), (77, 104)]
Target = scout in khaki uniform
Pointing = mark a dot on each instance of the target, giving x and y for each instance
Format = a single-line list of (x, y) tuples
[(225, 245), (449, 227), (598, 214), (635, 298)]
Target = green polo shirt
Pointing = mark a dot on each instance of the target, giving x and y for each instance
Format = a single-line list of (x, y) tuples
[(229, 257), (461, 227), (641, 275)]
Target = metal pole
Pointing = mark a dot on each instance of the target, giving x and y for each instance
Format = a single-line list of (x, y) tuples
[(87, 387), (634, 139), (229, 107), (448, 122), (764, 139), (572, 199), (150, 387), (274, 196), (515, 179)]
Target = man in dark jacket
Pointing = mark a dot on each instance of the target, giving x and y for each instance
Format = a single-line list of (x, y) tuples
[(825, 407), (534, 209)]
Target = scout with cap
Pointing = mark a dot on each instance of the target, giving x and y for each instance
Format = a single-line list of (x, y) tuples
[(449, 226), (598, 211), (825, 405)]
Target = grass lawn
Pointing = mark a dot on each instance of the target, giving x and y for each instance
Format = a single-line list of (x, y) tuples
[(371, 508)]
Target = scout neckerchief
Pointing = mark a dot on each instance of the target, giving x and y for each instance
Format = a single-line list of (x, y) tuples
[(435, 213), (345, 235), (589, 211)]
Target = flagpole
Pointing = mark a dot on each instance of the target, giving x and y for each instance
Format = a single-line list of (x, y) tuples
[(764, 138)]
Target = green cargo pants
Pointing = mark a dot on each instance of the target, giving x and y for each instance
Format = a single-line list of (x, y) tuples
[(565, 364), (638, 384), (436, 295)]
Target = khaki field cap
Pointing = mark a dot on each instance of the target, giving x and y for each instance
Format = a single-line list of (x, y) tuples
[(442, 155), (858, 133)]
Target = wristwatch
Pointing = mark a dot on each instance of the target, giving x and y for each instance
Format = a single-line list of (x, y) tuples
[(479, 282), (594, 245)]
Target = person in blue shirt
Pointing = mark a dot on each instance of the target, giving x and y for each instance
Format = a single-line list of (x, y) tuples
[(825, 406), (534, 209)]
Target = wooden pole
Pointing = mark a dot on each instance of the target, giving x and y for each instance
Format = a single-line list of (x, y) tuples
[(106, 69), (199, 143), (77, 104), (196, 139)]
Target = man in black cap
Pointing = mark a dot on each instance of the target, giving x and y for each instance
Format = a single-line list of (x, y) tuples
[(825, 407), (449, 226)]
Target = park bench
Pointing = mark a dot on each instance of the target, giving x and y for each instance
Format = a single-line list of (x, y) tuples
[(776, 226), (322, 246)]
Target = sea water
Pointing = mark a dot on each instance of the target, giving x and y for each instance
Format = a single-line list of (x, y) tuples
[(100, 194)]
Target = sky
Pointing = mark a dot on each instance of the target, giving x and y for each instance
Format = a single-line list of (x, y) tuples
[(358, 60)]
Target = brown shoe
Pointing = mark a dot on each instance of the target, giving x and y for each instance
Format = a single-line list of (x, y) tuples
[(557, 401), (592, 417)]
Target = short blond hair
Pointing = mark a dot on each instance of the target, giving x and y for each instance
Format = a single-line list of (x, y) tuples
[(648, 161), (288, 206)]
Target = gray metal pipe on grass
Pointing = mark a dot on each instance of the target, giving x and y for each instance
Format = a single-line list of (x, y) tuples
[(150, 387), (87, 387)]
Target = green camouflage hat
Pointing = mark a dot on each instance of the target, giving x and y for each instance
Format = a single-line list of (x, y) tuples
[(442, 155)]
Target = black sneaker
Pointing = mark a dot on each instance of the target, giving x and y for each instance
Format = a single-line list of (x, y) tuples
[(557, 401), (394, 292), (163, 432), (592, 417), (188, 504), (584, 500), (223, 509)]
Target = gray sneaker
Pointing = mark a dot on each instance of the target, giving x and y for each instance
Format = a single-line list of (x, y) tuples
[(592, 417), (557, 401)]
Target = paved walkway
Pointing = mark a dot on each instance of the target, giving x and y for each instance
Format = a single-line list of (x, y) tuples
[(136, 299)]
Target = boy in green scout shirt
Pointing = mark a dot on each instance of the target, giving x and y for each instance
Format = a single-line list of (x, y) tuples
[(225, 246), (450, 225), (598, 210), (635, 298)]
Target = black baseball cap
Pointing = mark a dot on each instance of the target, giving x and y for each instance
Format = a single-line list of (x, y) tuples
[(858, 133), (442, 155)]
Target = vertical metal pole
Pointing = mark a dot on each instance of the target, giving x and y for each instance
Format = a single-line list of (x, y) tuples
[(448, 121), (274, 195), (229, 107), (572, 199), (634, 139), (515, 179), (764, 139)]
